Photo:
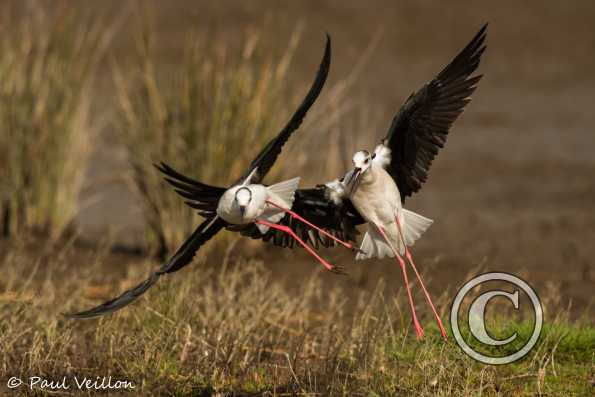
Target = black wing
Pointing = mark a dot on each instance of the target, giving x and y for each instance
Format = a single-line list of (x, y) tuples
[(315, 205), (183, 256), (267, 157), (420, 128), (205, 197), (198, 195)]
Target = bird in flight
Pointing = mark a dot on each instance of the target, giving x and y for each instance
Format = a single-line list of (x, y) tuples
[(416, 134), (247, 206), (380, 181), (374, 191), (265, 206)]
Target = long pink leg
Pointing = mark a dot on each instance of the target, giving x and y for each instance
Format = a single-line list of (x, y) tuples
[(287, 229), (298, 217), (419, 331), (410, 258)]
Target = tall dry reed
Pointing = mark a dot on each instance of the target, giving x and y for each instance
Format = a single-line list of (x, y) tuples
[(208, 118), (209, 115), (47, 68)]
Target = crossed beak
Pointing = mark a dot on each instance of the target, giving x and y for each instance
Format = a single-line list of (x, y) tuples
[(352, 182)]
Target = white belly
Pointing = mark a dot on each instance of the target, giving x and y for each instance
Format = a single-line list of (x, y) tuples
[(377, 197)]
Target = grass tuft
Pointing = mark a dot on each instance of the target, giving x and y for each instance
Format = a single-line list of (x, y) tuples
[(232, 328), (47, 67), (208, 120), (211, 115)]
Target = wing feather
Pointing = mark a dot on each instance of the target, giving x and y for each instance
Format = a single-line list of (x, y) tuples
[(198, 195), (183, 256), (421, 126), (315, 205), (267, 157)]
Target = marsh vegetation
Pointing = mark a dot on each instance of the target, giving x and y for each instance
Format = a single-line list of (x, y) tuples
[(228, 325)]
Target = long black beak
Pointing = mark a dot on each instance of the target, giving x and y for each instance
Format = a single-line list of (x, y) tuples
[(242, 209), (353, 176)]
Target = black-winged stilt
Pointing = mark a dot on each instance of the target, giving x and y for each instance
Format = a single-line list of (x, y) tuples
[(244, 205), (379, 182)]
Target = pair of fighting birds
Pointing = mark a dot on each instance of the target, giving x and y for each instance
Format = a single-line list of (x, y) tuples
[(373, 192)]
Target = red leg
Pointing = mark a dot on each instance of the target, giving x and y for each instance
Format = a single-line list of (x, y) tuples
[(287, 229), (419, 331), (423, 287), (299, 218)]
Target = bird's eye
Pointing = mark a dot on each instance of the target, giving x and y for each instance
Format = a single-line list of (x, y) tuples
[(373, 155), (367, 161)]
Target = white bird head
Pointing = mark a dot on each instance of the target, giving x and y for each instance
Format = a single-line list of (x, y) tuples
[(243, 198), (362, 161)]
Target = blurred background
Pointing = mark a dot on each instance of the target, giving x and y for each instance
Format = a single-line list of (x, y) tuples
[(92, 93), (106, 88)]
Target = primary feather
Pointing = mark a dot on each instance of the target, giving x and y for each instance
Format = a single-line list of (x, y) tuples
[(422, 124)]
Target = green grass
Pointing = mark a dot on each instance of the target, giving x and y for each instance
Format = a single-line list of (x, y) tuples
[(231, 328)]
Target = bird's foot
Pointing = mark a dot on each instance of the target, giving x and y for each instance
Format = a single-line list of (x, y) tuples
[(419, 331), (337, 270), (443, 332), (442, 329)]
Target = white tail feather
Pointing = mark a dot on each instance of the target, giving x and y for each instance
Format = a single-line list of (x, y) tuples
[(285, 191), (414, 225), (374, 246), (282, 194)]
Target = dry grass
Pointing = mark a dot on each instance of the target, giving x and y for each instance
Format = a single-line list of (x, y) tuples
[(230, 329), (200, 120), (47, 68), (223, 327), (214, 113)]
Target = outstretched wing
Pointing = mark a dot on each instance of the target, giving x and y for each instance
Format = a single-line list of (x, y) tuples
[(183, 256), (205, 199), (267, 157), (338, 218), (198, 195), (335, 213), (421, 126)]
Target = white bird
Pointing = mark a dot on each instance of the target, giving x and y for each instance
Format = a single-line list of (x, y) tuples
[(247, 203), (265, 206), (378, 184), (247, 206), (391, 228)]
